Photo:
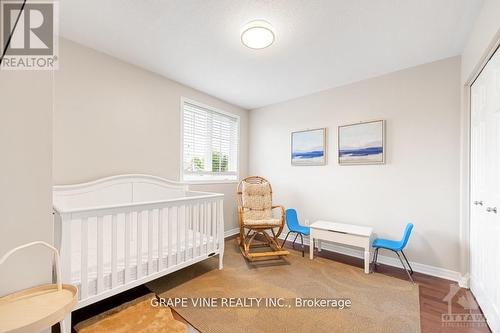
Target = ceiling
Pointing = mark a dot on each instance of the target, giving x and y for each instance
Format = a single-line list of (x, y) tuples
[(319, 44)]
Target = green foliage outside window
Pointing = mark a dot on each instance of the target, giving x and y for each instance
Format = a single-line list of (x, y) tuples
[(219, 162), (198, 164)]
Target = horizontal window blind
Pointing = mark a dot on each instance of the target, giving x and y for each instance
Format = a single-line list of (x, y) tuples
[(210, 144)]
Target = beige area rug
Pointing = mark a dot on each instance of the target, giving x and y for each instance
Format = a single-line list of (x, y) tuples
[(136, 316), (379, 303)]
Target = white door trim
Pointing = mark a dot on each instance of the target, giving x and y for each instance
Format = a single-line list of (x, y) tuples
[(465, 127)]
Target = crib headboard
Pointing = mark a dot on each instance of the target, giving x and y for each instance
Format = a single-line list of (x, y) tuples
[(116, 190)]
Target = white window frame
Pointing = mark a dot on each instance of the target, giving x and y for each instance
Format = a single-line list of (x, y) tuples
[(238, 131)]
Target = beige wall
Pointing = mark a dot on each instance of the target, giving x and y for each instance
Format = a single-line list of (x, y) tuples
[(112, 117), (419, 182), (25, 176)]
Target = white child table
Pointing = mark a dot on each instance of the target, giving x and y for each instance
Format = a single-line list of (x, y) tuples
[(342, 233)]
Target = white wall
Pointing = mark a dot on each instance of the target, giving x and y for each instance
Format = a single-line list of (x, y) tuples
[(25, 176), (111, 117), (419, 183)]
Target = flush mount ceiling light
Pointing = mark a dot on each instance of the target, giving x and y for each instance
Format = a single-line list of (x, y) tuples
[(257, 34)]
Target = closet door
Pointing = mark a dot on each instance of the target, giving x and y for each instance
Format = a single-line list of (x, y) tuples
[(485, 191), (478, 247)]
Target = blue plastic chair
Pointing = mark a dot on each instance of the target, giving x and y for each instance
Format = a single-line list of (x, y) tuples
[(292, 222), (396, 247)]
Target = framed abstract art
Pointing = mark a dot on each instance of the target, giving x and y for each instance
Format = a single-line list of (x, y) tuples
[(362, 143), (309, 147)]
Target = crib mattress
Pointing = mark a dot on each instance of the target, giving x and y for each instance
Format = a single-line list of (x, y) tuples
[(175, 257), (180, 239)]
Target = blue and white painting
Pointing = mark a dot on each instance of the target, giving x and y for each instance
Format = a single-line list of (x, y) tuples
[(308, 147), (362, 143)]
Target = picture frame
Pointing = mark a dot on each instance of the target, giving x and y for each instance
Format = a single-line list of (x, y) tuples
[(362, 143), (309, 147)]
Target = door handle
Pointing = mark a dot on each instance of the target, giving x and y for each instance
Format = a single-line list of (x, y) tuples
[(491, 210), (480, 203)]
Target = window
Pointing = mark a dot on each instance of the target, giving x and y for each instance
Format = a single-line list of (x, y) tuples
[(209, 143)]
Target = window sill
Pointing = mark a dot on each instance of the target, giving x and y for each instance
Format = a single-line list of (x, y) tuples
[(210, 182)]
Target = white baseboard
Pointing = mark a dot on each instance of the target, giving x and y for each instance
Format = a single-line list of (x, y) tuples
[(231, 232), (464, 281), (390, 261)]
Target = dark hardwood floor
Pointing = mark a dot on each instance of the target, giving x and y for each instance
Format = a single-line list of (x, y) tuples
[(432, 291)]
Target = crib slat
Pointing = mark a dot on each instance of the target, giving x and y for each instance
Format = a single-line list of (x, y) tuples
[(114, 245), (100, 254), (208, 212), (212, 226), (198, 228), (126, 270), (169, 237), (204, 228), (186, 232), (150, 241), (139, 245), (204, 239), (200, 224), (177, 222), (195, 227), (84, 260), (193, 216), (192, 232), (202, 231), (217, 226), (214, 223), (66, 265), (160, 239), (220, 226), (209, 227)]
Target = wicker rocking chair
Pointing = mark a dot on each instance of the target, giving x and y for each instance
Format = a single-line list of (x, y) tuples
[(255, 211)]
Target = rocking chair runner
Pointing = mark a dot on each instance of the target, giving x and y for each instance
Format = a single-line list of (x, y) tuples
[(255, 212)]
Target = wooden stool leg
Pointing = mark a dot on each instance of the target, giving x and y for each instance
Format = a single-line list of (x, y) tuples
[(65, 324)]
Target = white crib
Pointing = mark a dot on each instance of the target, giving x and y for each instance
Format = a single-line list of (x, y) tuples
[(119, 232)]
